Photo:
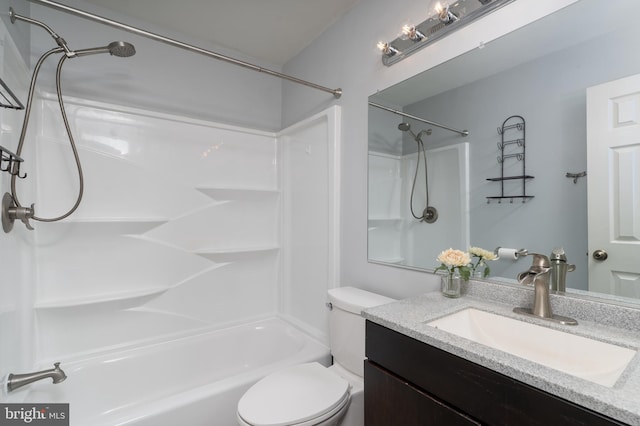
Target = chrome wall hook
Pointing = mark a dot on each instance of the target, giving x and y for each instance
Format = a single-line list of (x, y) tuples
[(575, 176), (11, 162)]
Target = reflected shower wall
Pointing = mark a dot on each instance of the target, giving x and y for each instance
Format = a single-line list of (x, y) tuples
[(394, 235)]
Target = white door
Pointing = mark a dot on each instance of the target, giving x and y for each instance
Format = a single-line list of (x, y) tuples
[(613, 162)]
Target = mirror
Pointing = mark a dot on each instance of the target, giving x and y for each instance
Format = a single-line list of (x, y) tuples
[(540, 72)]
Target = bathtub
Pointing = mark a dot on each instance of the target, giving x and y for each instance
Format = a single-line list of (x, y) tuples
[(191, 381)]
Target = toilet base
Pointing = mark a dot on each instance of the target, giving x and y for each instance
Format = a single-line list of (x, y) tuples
[(354, 415)]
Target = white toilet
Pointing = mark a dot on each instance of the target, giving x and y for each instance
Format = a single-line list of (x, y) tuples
[(311, 394)]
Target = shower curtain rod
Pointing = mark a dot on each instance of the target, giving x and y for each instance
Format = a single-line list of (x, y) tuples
[(73, 11), (413, 117)]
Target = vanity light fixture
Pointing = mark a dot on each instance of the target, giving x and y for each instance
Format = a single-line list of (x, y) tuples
[(447, 18)]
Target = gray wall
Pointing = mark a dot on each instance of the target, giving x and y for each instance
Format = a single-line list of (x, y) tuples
[(346, 56), (550, 93), (159, 77), (19, 33)]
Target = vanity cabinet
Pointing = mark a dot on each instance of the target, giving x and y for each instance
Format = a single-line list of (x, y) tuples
[(411, 383)]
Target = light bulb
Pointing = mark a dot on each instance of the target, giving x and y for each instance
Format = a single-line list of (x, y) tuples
[(386, 49), (411, 32)]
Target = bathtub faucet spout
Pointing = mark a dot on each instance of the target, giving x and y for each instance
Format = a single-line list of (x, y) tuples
[(15, 381)]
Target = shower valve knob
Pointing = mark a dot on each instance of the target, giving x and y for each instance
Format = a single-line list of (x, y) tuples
[(22, 213), (28, 214)]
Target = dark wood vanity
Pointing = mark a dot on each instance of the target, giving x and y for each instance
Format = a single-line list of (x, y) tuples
[(408, 382)]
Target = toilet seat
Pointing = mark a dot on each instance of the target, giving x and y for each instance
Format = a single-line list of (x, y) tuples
[(305, 394)]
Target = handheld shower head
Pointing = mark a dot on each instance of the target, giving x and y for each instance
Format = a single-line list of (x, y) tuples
[(116, 48), (121, 49)]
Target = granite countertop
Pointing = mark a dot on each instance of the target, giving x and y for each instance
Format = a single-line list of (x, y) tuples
[(617, 325)]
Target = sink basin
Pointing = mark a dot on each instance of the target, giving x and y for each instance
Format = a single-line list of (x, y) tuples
[(589, 359)]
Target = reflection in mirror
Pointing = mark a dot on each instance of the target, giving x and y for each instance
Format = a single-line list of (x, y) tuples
[(541, 72)]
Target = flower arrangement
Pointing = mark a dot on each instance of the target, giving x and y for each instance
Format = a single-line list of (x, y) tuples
[(481, 256), (455, 259)]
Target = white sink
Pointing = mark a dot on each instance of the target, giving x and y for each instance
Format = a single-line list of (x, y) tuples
[(593, 360)]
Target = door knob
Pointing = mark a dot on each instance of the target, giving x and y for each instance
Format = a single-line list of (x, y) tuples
[(600, 255)]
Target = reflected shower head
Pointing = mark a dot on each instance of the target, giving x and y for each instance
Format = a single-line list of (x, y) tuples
[(116, 48), (406, 127)]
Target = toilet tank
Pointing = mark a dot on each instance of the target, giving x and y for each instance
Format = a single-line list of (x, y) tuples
[(347, 326)]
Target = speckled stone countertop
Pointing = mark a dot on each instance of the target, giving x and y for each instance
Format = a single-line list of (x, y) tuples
[(610, 323)]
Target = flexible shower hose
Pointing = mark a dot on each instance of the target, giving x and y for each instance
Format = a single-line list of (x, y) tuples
[(25, 124), (415, 178)]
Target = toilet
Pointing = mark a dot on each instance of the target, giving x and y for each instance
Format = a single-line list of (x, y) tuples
[(311, 394)]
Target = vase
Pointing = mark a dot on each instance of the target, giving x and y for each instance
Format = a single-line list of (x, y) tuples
[(478, 274), (478, 271), (450, 285)]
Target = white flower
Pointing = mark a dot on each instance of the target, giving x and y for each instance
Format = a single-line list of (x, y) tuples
[(482, 253), (454, 258)]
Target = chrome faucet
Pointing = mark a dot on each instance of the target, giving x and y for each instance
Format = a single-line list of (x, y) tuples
[(539, 275), (559, 269), (15, 381)]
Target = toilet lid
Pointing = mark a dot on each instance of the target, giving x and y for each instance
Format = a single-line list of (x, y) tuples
[(293, 395)]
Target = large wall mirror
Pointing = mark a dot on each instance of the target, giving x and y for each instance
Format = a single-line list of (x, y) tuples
[(561, 75)]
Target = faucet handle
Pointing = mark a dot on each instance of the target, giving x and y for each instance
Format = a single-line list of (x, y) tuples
[(539, 262)]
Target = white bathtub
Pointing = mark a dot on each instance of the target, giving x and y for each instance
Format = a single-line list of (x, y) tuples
[(191, 381)]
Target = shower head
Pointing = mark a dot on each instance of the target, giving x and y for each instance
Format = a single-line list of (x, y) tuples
[(406, 127), (59, 40), (116, 48)]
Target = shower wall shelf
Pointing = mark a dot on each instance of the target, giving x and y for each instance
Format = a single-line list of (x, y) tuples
[(103, 226), (382, 220), (133, 222), (226, 193), (234, 254), (122, 299), (512, 147), (392, 260)]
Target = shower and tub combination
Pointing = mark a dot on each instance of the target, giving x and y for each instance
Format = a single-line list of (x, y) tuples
[(418, 189), (166, 313)]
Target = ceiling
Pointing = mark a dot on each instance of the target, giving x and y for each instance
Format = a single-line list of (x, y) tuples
[(271, 30)]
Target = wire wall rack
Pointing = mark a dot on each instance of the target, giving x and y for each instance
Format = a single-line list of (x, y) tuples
[(10, 162), (512, 147), (7, 98)]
